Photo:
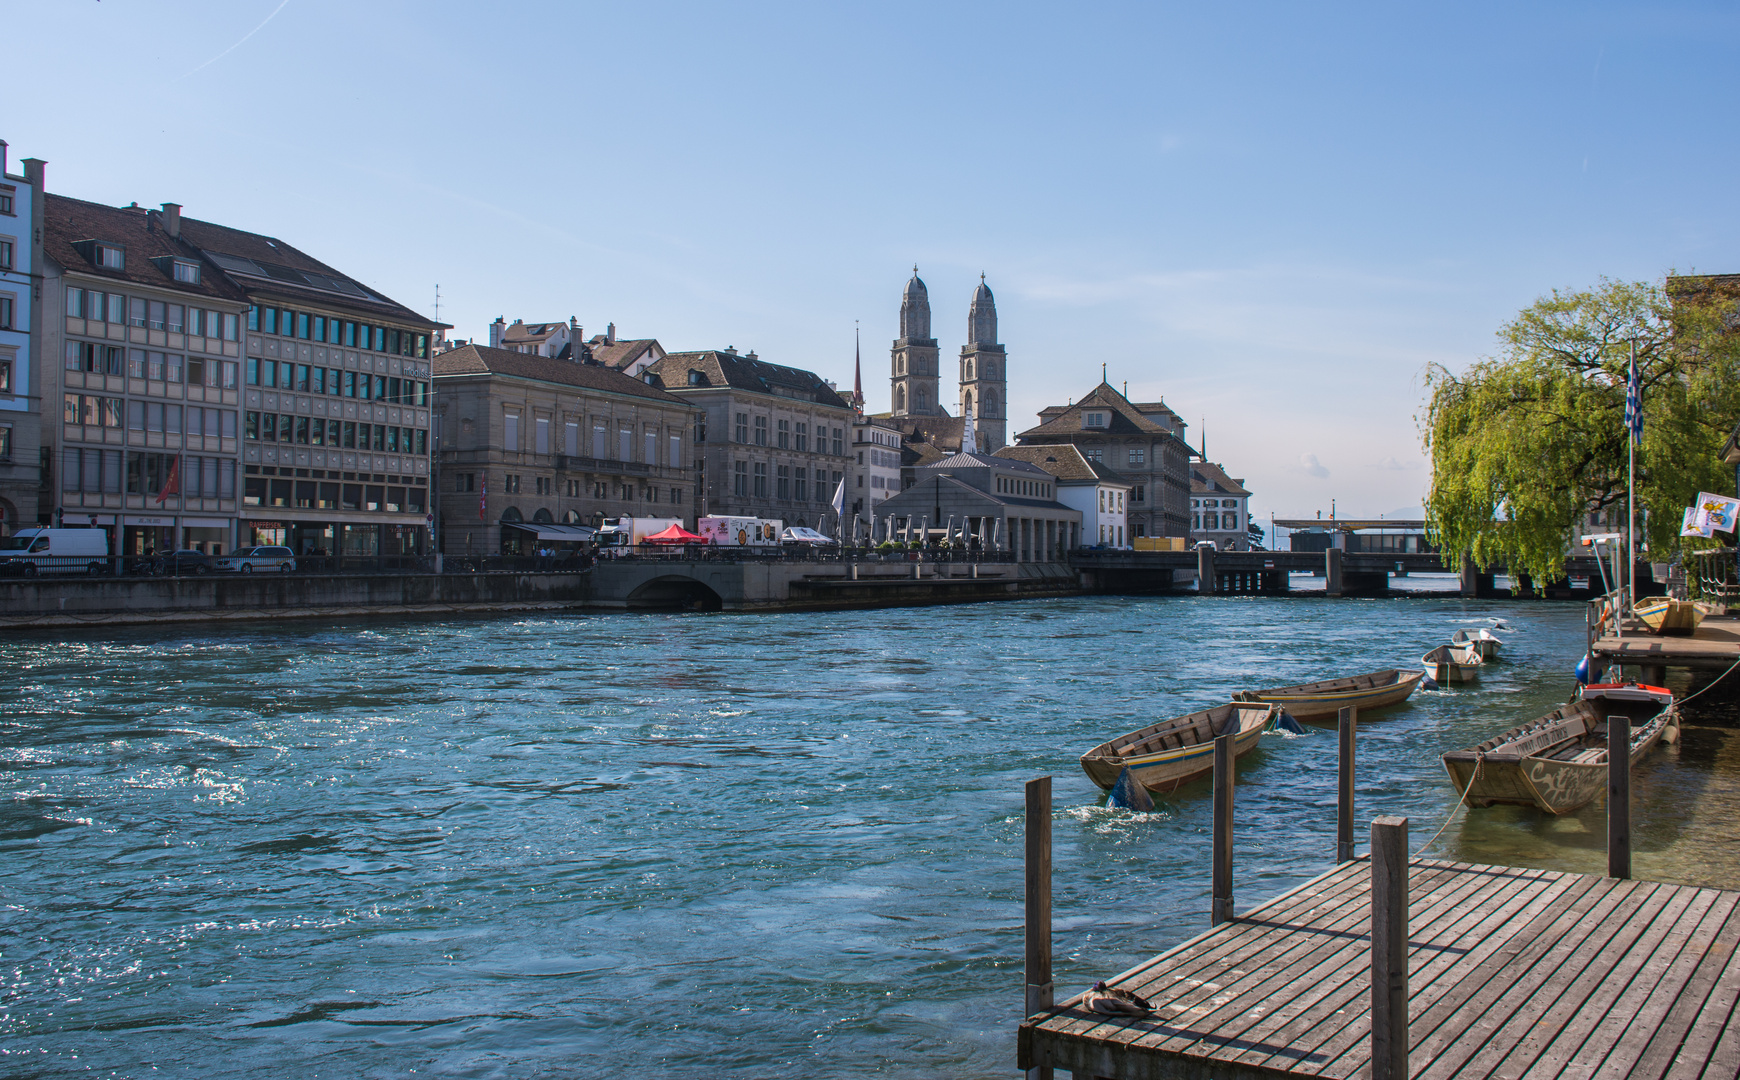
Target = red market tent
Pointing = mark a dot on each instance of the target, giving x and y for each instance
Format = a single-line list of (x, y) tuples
[(676, 534)]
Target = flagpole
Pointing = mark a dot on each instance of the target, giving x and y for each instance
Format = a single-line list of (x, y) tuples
[(1631, 483)]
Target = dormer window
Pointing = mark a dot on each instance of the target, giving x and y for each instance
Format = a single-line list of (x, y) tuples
[(187, 272), (110, 256), (1096, 419), (696, 378)]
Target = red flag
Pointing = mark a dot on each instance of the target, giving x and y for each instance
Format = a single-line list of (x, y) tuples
[(483, 500), (172, 482)]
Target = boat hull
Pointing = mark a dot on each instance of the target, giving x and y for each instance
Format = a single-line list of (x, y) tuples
[(1451, 664), (1670, 618), (1164, 771), (1325, 706)]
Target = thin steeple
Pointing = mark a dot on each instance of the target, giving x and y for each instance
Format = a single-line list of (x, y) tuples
[(857, 369)]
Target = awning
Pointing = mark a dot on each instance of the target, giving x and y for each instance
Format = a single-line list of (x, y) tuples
[(554, 532), (675, 534)]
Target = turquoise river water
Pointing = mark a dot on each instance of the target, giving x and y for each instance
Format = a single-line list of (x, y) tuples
[(693, 845)]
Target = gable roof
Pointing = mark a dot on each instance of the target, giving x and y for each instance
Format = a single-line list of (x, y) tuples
[(984, 461), (1064, 423), (483, 360), (1207, 478), (1063, 461), (524, 333), (67, 223), (620, 353), (718, 370)]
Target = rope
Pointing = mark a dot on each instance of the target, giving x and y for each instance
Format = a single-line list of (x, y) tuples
[(1711, 683), (1479, 763)]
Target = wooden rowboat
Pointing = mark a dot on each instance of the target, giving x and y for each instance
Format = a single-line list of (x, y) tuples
[(1164, 757), (1322, 700), (1674, 618), (1485, 642), (1559, 762), (1452, 664)]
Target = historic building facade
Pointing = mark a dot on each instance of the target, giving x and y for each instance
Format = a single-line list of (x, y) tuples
[(528, 440), (915, 386), (1142, 442), (994, 503), (1101, 495), (771, 441), (23, 468), (1219, 508)]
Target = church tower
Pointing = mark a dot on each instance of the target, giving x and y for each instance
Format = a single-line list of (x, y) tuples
[(984, 374), (913, 376)]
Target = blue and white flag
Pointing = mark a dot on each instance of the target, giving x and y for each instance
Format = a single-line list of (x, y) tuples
[(1634, 404)]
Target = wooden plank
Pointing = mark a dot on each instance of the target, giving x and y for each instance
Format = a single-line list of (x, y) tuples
[(1724, 1061), (1331, 1017), (1523, 990), (1579, 978), (1440, 976), (1643, 968), (1660, 1006), (1701, 1053), (1684, 1040)]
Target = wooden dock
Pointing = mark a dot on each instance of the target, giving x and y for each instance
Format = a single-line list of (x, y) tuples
[(1512, 973), (1715, 644)]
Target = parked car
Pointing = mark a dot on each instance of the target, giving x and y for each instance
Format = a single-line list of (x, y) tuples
[(177, 562), (246, 560)]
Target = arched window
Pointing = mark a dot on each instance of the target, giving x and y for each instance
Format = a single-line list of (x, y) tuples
[(512, 513), (920, 400), (900, 365), (572, 517), (543, 517), (900, 399), (990, 404), (967, 404), (969, 369)]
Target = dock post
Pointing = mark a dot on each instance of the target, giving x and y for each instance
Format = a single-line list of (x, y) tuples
[(1347, 722), (1332, 572), (1470, 583), (1039, 989), (1389, 948), (1205, 580), (1619, 797), (1223, 830)]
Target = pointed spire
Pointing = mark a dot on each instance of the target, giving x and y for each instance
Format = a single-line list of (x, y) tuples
[(969, 433), (857, 370)]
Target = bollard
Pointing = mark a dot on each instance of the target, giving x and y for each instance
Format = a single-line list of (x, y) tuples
[(1332, 572), (1223, 829), (1619, 797), (1039, 988), (1205, 579), (1389, 948), (1347, 722)]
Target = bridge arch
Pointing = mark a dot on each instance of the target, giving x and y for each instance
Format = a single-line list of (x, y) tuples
[(674, 592)]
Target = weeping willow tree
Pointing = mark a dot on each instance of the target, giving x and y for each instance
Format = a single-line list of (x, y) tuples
[(1526, 443)]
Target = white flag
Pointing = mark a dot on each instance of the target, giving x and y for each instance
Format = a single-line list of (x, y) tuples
[(840, 497), (1690, 526), (1717, 513)]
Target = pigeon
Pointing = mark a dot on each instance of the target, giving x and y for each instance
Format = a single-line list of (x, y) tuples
[(1115, 1002)]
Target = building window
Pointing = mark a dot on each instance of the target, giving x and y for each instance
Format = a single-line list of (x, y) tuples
[(541, 433), (784, 435), (186, 271), (510, 432), (803, 438), (742, 427), (599, 438), (1094, 454), (761, 431), (839, 442), (1139, 494), (782, 482), (6, 204), (801, 491), (111, 257), (625, 444), (761, 475), (740, 478), (5, 253), (1138, 455), (1096, 419), (6, 309), (676, 461)]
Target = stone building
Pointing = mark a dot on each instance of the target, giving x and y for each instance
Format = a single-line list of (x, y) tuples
[(566, 341), (1219, 508), (997, 503), (529, 440), (915, 384), (1098, 493), (771, 441), (1142, 442), (23, 470)]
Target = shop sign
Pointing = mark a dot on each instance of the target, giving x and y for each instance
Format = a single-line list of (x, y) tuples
[(162, 522)]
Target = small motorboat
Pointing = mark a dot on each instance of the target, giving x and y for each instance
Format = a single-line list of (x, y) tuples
[(1485, 642), (1670, 618), (1453, 664), (1164, 757), (1322, 700), (1559, 762)]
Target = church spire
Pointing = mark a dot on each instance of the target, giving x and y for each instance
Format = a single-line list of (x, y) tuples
[(982, 316), (857, 371), (915, 309)]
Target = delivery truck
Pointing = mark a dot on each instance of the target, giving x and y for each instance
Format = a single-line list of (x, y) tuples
[(619, 534), (55, 551), (722, 531)]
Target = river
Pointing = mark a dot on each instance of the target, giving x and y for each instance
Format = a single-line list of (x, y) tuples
[(694, 845)]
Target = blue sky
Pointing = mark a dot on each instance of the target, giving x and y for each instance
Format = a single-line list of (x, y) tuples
[(1274, 216)]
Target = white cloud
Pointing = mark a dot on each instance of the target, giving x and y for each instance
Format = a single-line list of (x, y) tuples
[(1391, 464), (1310, 466)]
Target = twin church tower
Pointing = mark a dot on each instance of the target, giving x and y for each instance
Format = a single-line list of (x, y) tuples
[(916, 390)]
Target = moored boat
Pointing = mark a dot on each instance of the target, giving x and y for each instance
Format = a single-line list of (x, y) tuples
[(1322, 700), (1452, 664), (1484, 642), (1559, 762), (1673, 618), (1164, 757)]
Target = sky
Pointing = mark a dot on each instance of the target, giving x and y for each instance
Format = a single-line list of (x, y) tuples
[(1274, 217)]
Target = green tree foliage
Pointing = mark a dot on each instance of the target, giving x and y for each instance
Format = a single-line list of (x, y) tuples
[(1525, 443)]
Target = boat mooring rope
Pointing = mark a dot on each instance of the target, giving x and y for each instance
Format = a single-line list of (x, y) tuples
[(1711, 683), (1479, 763)]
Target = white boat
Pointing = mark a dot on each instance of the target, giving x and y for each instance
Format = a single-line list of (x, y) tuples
[(1452, 664), (1485, 642)]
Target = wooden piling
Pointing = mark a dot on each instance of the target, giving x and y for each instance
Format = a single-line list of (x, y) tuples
[(1389, 948), (1619, 797), (1223, 830), (1347, 722), (1332, 572), (1039, 988), (1205, 580)]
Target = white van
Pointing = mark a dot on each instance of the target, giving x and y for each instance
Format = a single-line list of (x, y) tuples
[(29, 551)]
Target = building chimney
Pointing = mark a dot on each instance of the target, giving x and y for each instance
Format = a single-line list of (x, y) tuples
[(36, 175), (495, 332), (172, 220), (610, 334), (730, 350), (750, 355)]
